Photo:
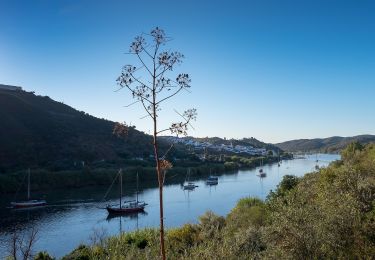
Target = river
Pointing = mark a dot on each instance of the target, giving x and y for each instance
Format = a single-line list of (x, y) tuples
[(72, 217)]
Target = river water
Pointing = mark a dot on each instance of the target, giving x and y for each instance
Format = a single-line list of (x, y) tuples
[(72, 217)]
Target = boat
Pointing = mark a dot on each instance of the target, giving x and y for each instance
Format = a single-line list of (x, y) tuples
[(212, 180), (261, 173), (29, 203), (126, 207), (317, 165), (190, 185)]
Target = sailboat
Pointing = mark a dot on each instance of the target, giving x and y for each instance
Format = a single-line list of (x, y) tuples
[(29, 203), (317, 165), (261, 173), (212, 180), (190, 185), (132, 206)]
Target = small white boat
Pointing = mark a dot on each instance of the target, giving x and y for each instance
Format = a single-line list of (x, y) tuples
[(317, 163), (29, 203), (212, 180), (190, 185), (261, 173)]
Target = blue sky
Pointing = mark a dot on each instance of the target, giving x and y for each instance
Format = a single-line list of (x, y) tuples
[(274, 70)]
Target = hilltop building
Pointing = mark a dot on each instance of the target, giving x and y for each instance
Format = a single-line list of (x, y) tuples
[(9, 87)]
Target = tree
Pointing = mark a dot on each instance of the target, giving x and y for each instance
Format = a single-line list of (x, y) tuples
[(151, 85)]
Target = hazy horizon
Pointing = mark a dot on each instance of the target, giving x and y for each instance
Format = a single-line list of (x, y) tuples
[(264, 69)]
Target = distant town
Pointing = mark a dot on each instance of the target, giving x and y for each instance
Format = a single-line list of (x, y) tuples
[(203, 145)]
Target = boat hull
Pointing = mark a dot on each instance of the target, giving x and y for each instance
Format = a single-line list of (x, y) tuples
[(117, 210), (212, 180), (28, 204), (189, 187)]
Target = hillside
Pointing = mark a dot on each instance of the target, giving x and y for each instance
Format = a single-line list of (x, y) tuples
[(245, 141), (331, 144), (253, 142), (37, 131)]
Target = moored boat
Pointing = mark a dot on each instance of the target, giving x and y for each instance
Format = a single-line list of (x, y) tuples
[(212, 180), (29, 203), (127, 207), (190, 185), (261, 173)]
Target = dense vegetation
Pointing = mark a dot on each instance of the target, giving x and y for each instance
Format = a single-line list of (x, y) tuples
[(42, 180), (328, 214), (325, 145)]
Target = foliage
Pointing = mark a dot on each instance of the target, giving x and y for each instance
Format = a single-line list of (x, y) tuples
[(287, 183), (43, 256)]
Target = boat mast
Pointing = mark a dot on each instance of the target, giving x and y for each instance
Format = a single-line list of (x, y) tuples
[(120, 187), (28, 185), (137, 188)]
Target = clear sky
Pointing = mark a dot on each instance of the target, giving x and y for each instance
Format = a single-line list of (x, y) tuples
[(274, 70)]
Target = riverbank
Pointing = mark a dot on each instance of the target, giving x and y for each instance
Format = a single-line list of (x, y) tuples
[(324, 214), (44, 180)]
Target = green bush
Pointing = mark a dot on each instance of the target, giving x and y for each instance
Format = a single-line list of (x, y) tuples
[(43, 256)]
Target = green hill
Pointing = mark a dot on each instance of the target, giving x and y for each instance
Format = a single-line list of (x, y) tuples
[(36, 131), (331, 144)]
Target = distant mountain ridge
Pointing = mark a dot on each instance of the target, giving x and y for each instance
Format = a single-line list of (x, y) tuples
[(330, 144)]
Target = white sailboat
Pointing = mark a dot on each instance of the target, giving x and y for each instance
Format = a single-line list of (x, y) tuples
[(261, 173), (317, 165), (212, 180), (190, 185), (29, 203)]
